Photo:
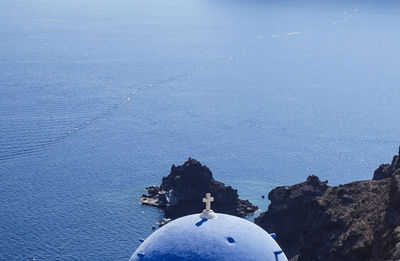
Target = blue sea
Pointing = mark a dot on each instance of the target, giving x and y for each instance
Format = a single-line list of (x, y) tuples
[(99, 98)]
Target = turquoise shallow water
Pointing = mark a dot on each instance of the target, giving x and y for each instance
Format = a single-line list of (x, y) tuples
[(98, 100)]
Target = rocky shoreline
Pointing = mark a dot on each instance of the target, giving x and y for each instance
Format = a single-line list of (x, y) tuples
[(181, 193), (356, 221)]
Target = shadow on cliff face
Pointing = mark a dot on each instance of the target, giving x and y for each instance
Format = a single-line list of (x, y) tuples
[(351, 222)]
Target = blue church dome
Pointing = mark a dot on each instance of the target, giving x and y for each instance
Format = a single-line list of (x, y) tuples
[(209, 236)]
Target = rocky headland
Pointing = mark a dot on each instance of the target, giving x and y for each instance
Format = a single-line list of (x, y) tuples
[(358, 221), (387, 170), (313, 221), (182, 191)]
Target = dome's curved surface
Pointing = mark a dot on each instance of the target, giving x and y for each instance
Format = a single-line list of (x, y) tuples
[(222, 238)]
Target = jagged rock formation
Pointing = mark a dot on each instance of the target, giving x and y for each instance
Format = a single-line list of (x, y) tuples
[(359, 221), (387, 242), (181, 193), (387, 170), (289, 213)]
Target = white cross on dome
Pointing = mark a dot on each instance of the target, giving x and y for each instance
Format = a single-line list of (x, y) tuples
[(208, 213), (208, 199)]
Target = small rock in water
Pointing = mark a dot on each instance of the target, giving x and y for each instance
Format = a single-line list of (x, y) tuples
[(163, 222)]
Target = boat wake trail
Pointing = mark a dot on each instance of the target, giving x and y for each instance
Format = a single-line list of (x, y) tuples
[(343, 19), (28, 147)]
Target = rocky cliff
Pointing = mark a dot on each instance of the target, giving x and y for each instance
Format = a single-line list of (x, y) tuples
[(386, 170), (351, 222), (181, 193)]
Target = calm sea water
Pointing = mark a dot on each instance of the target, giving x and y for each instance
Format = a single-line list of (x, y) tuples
[(99, 98)]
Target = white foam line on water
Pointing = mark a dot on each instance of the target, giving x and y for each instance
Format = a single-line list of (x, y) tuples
[(343, 19), (6, 154), (40, 145)]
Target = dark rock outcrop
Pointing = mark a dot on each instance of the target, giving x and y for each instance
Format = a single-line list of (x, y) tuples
[(386, 245), (387, 170), (181, 193), (359, 221), (289, 212)]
